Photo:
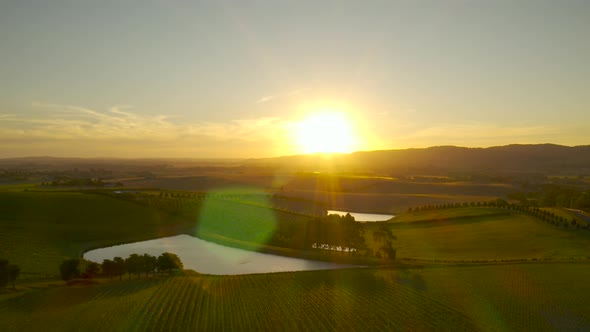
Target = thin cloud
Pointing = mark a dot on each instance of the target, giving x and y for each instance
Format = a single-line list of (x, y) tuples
[(265, 99), (70, 108), (268, 98), (244, 129), (71, 130), (119, 123), (7, 116), (119, 110)]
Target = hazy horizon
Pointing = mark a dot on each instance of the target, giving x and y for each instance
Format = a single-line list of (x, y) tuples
[(153, 79), (290, 155)]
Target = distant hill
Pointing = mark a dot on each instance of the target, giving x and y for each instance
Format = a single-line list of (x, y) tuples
[(538, 158), (548, 159)]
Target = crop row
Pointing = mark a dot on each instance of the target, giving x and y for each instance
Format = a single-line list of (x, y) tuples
[(515, 297)]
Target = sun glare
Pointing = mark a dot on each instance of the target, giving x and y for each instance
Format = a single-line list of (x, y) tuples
[(326, 132)]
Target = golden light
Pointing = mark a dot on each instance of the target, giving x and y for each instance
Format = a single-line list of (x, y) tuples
[(326, 131)]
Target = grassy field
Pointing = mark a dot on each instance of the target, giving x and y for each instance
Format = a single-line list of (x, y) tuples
[(530, 297), (39, 229), (64, 224), (448, 214), (382, 202), (340, 192), (481, 233), (566, 214)]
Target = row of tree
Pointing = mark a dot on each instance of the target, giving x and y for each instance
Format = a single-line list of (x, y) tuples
[(550, 217), (8, 273), (494, 203), (557, 195), (134, 264), (545, 215)]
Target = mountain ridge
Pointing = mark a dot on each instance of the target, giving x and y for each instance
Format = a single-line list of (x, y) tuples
[(544, 158), (533, 158)]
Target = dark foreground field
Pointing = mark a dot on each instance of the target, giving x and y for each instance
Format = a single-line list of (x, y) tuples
[(523, 297)]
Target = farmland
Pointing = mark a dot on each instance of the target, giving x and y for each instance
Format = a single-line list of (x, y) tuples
[(40, 238), (484, 233), (502, 297), (513, 284), (40, 229)]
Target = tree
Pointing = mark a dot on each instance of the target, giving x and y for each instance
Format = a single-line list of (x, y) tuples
[(134, 264), (92, 269), (119, 267), (167, 262), (501, 202), (69, 269), (150, 264), (3, 272), (108, 267), (385, 238), (335, 233)]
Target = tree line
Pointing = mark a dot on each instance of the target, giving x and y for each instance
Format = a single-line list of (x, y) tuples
[(335, 231), (133, 265), (534, 211), (555, 195), (336, 234), (494, 203)]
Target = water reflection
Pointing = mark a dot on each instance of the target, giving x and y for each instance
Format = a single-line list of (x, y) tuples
[(211, 258), (363, 217)]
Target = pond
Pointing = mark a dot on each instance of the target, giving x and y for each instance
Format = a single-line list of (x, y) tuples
[(211, 258), (364, 217)]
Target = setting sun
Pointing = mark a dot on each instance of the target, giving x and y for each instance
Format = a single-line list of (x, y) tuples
[(326, 132)]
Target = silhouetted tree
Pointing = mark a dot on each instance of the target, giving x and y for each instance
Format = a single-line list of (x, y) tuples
[(335, 233), (13, 273), (108, 267), (69, 269), (134, 264), (385, 238), (92, 269), (150, 264), (120, 268), (167, 262)]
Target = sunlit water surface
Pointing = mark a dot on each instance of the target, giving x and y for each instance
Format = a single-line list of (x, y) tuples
[(363, 217), (211, 258)]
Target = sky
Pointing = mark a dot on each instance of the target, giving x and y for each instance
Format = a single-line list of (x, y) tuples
[(200, 79)]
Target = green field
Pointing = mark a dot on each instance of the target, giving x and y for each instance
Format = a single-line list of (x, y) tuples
[(65, 224), (40, 229), (448, 213), (566, 214), (483, 233), (531, 297)]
